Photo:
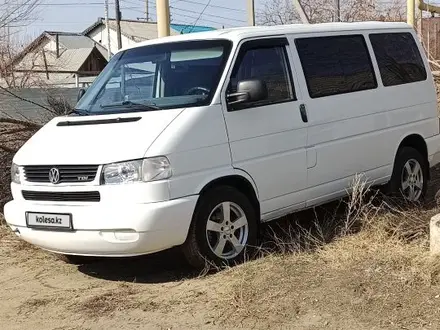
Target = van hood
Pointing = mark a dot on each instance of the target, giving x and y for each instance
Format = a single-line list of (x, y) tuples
[(96, 139)]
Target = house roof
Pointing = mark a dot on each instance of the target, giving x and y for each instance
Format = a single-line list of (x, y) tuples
[(71, 41), (70, 60), (185, 28), (75, 48), (142, 30), (66, 39), (76, 41)]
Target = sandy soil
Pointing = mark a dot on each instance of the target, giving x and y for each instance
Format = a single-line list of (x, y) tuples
[(368, 280)]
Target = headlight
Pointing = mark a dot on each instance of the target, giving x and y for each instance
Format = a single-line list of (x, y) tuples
[(15, 173), (145, 170)]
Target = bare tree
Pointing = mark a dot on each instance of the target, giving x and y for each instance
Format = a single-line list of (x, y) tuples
[(12, 78), (17, 13), (320, 11), (358, 10), (276, 12), (14, 16), (395, 10)]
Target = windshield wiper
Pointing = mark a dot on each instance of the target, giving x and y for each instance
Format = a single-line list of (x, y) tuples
[(130, 104), (80, 112)]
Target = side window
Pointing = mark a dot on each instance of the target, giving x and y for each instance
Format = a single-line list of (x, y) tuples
[(336, 65), (268, 64), (398, 58)]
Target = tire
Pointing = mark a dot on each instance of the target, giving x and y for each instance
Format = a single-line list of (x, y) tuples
[(409, 180), (224, 243), (75, 260)]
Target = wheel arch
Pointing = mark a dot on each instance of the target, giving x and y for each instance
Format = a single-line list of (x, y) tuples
[(416, 141), (240, 181)]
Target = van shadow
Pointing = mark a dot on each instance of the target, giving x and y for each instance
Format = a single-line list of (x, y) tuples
[(290, 233), (170, 265), (162, 267)]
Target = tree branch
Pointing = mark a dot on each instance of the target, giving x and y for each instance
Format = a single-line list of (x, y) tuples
[(20, 122)]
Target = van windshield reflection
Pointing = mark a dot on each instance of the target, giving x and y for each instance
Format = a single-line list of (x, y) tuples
[(156, 77)]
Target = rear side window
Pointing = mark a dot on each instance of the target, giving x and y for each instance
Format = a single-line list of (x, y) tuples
[(336, 65), (398, 58)]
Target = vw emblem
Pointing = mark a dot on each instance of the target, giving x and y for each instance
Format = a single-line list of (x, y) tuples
[(54, 175)]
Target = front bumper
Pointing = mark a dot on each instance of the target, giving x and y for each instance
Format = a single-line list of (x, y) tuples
[(108, 229)]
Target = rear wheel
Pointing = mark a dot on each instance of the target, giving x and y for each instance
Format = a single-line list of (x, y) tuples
[(410, 175), (223, 230)]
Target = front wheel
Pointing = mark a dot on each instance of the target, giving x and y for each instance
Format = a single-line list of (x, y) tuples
[(410, 174), (223, 230)]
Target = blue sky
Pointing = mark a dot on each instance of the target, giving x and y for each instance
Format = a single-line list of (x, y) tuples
[(76, 15)]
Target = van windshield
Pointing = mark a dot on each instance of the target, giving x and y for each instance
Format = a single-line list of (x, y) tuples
[(156, 77)]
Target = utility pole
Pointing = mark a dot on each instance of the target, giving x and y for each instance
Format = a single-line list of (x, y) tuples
[(107, 25), (118, 24), (163, 18), (147, 11), (411, 12), (251, 12), (337, 11)]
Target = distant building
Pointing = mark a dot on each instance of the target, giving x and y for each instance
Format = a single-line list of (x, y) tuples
[(62, 59), (56, 59), (133, 31)]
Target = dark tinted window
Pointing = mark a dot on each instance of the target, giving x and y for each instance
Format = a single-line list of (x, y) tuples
[(268, 64), (336, 65), (398, 57)]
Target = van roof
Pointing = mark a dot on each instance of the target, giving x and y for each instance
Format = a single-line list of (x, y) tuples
[(239, 33)]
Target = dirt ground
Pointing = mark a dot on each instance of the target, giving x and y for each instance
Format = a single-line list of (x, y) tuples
[(367, 280)]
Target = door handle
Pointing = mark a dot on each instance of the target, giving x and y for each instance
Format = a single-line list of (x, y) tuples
[(303, 112)]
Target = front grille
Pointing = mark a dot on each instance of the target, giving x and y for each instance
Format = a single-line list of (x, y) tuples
[(68, 173), (48, 196)]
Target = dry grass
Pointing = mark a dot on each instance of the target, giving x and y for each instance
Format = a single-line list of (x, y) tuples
[(378, 279), (107, 303), (377, 268)]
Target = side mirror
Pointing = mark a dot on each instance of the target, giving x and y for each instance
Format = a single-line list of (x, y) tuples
[(81, 93), (248, 91)]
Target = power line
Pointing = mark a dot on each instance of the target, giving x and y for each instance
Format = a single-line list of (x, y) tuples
[(187, 11), (200, 4), (201, 13), (178, 12), (193, 17), (137, 2), (213, 6), (70, 4), (204, 19), (138, 7), (210, 15)]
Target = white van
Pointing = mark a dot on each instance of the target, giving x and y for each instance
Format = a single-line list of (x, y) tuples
[(194, 140)]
